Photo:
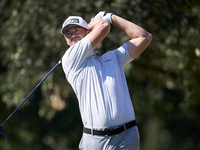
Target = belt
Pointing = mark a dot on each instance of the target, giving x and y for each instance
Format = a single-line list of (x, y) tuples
[(110, 132)]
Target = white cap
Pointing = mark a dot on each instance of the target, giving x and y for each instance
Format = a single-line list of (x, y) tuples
[(73, 20)]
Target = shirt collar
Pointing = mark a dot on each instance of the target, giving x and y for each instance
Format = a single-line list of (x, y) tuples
[(96, 53)]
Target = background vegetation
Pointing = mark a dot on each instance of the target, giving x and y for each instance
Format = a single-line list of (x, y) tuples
[(163, 81)]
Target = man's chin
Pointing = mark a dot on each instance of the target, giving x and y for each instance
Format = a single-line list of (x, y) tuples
[(75, 41), (72, 43)]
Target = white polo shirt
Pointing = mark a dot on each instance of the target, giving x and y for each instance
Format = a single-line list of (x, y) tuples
[(99, 84)]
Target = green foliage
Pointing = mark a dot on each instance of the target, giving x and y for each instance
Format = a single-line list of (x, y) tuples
[(163, 81)]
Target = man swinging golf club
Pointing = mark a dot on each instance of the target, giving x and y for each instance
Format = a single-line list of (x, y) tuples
[(99, 82)]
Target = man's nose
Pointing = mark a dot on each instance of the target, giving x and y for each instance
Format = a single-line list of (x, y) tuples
[(73, 34)]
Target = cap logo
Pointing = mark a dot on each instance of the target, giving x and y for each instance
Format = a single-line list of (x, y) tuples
[(74, 20)]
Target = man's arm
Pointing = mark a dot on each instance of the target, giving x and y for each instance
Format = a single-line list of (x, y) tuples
[(98, 30), (139, 38)]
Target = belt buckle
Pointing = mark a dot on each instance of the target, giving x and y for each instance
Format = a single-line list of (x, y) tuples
[(124, 127), (92, 131)]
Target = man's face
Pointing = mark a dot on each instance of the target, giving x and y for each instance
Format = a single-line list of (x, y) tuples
[(74, 34)]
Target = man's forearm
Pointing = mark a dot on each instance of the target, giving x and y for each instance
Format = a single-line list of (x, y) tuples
[(139, 38), (99, 29), (131, 29)]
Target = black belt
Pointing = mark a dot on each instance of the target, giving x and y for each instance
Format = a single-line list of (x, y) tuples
[(110, 132)]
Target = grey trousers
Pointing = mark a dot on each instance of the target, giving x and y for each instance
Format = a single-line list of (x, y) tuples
[(127, 140)]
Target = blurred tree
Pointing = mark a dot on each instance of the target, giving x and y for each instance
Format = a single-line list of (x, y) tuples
[(163, 81)]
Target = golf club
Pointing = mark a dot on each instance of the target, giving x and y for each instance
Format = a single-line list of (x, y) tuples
[(2, 133)]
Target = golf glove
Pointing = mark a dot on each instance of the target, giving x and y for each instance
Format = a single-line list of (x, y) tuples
[(104, 15), (108, 17), (100, 14)]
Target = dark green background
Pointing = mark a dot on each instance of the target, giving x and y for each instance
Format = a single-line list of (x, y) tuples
[(163, 81)]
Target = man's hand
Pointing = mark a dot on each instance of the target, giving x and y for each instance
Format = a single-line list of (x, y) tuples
[(99, 15), (94, 22), (104, 15), (108, 17)]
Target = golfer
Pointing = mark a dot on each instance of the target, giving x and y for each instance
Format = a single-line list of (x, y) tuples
[(99, 82)]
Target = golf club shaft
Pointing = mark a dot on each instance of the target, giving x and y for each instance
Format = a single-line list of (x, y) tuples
[(32, 91)]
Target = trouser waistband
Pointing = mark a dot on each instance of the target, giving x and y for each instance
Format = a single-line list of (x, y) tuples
[(110, 132)]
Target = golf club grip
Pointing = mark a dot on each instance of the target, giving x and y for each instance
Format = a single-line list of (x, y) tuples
[(32, 91)]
